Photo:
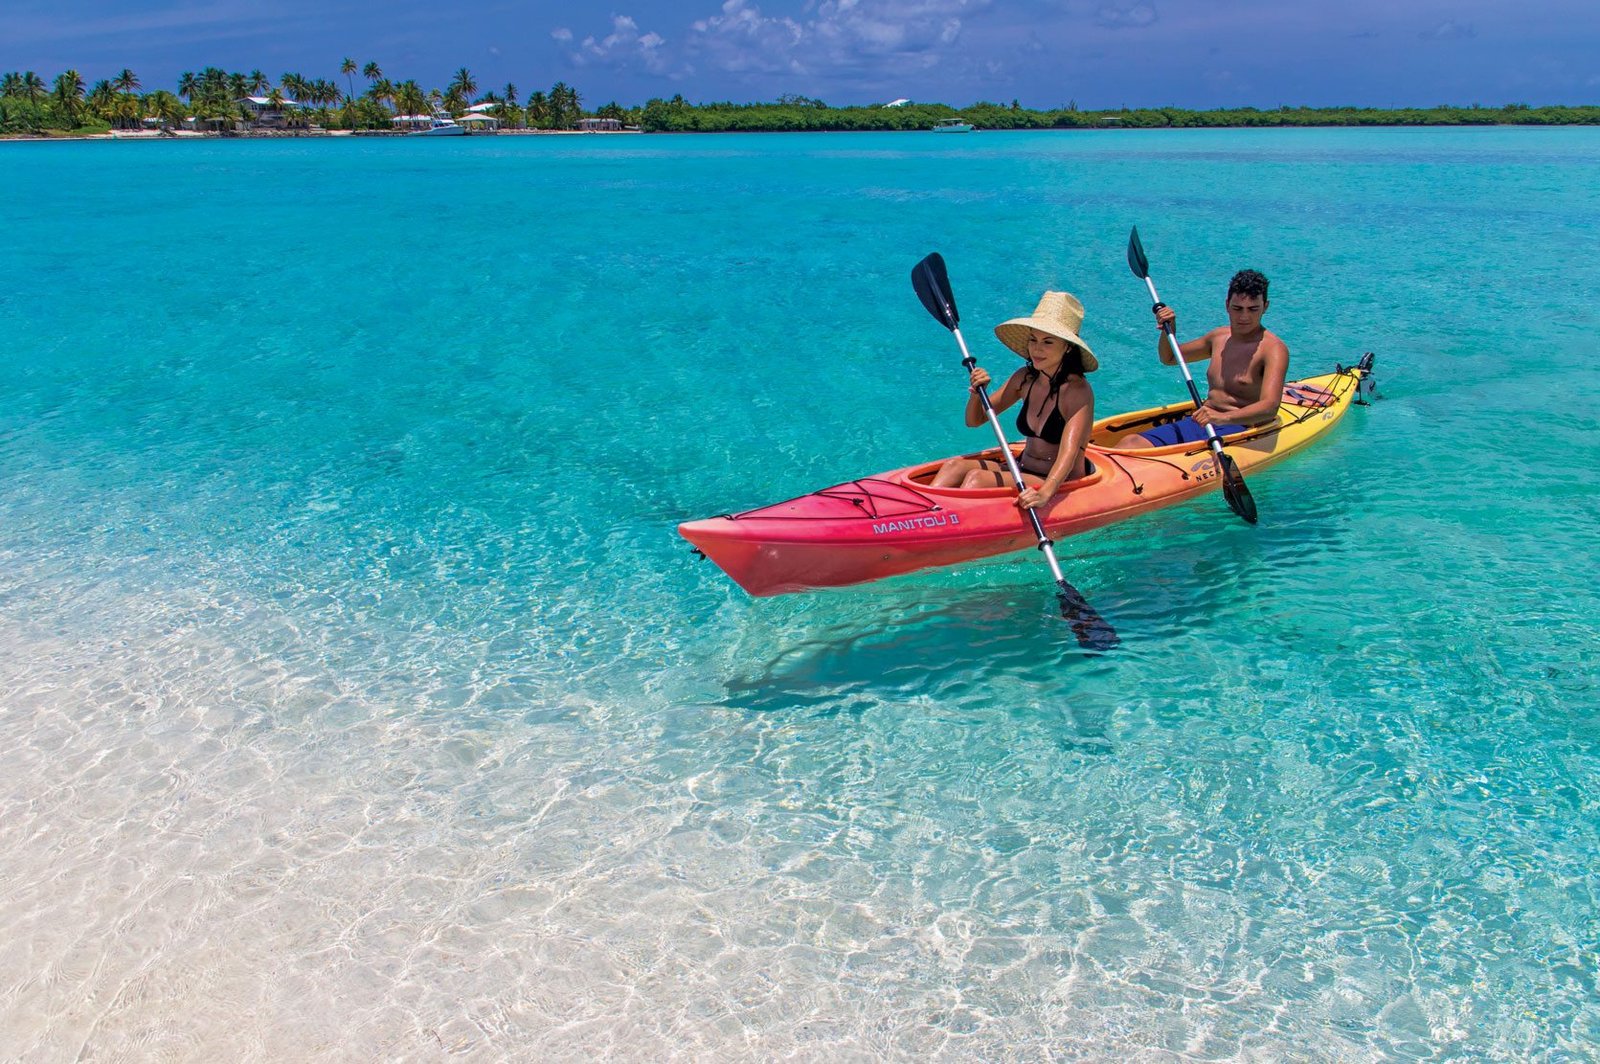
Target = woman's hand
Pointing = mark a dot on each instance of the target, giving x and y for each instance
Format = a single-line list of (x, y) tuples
[(980, 379), (1032, 497)]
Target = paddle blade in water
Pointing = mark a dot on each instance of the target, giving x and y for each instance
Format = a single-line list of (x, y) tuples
[(1092, 631), (1240, 501), (932, 283), (1136, 260)]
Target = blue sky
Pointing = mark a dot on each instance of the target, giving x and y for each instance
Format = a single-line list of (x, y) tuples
[(1100, 53)]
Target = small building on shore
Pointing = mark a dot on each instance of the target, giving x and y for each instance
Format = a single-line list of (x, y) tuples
[(599, 125), (480, 122), (262, 113)]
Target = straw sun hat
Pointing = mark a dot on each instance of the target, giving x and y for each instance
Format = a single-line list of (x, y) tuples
[(1058, 314)]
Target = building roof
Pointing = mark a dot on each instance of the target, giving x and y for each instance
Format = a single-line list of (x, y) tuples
[(897, 103)]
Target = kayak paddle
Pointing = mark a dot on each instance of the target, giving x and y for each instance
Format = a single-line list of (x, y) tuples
[(932, 284), (1233, 488)]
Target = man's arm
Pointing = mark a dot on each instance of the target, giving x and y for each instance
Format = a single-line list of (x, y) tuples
[(1193, 351), (1197, 350)]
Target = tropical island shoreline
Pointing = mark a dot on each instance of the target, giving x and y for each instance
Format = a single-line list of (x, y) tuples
[(215, 102)]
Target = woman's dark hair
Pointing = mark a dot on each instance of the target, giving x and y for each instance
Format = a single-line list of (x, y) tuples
[(1248, 283), (1071, 362)]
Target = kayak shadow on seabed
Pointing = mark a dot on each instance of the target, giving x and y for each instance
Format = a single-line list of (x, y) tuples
[(927, 647)]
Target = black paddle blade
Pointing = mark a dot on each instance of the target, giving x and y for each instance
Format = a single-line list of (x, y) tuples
[(1136, 260), (1092, 631), (932, 283), (1240, 501)]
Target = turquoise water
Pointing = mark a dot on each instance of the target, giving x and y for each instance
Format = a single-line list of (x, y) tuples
[(357, 696)]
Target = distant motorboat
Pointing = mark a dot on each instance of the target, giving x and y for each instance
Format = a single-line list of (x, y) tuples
[(438, 124), (952, 125)]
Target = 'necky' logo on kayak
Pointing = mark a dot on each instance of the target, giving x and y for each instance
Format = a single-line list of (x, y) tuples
[(912, 523)]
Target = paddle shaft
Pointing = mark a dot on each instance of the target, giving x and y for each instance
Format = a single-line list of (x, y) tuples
[(1011, 463), (1212, 440)]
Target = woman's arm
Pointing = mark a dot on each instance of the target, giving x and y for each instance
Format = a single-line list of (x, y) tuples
[(999, 400)]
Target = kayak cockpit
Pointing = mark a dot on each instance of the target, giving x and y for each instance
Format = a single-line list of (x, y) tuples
[(921, 477)]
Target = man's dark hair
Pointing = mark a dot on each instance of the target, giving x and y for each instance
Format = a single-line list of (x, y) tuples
[(1248, 283)]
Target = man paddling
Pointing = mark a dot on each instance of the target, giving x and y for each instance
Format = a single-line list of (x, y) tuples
[(1245, 379)]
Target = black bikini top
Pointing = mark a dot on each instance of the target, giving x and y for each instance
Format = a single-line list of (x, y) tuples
[(1055, 424)]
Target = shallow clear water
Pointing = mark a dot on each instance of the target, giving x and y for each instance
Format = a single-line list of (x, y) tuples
[(358, 698)]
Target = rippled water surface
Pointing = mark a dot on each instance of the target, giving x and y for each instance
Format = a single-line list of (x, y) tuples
[(358, 700)]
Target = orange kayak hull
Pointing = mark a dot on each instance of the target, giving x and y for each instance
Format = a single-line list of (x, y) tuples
[(897, 522)]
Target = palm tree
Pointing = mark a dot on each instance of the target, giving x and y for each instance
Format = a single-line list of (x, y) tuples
[(538, 109), (11, 84), (187, 85), (210, 83), (410, 99), (127, 111), (565, 105), (69, 94), (259, 82), (348, 69), (464, 83), (382, 90), (32, 87), (372, 72), (163, 105), (240, 86), (102, 99), (126, 81)]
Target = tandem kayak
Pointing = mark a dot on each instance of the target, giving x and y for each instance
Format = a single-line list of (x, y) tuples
[(897, 522)]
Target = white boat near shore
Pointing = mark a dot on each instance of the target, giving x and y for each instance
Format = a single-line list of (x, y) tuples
[(438, 124), (952, 125)]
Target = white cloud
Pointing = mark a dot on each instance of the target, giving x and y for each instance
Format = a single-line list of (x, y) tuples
[(1124, 15), (876, 38), (561, 33), (623, 46), (1449, 30), (741, 39)]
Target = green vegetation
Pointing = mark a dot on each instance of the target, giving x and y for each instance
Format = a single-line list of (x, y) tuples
[(213, 98), (797, 113)]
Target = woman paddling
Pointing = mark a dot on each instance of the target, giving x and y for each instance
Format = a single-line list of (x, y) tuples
[(1057, 409)]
